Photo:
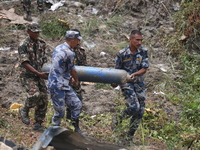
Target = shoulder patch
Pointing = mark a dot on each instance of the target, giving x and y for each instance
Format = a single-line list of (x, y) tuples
[(41, 40), (123, 50), (144, 49), (127, 60), (22, 42)]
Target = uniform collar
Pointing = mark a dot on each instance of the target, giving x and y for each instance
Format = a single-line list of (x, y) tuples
[(129, 50), (67, 45), (30, 40)]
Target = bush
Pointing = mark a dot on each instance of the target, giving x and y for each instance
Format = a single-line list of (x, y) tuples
[(53, 27)]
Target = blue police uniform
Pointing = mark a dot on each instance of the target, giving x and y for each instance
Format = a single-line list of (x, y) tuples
[(134, 92), (58, 84)]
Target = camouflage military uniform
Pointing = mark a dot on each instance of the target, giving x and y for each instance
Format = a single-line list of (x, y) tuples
[(79, 60), (27, 8), (134, 92), (35, 87)]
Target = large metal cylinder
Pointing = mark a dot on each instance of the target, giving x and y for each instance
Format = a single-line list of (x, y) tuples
[(95, 74)]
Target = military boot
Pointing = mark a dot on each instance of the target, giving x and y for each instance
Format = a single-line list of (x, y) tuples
[(117, 120), (27, 16), (38, 127), (130, 135), (23, 111), (75, 123)]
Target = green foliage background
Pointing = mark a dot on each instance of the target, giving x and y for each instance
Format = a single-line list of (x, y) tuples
[(185, 90)]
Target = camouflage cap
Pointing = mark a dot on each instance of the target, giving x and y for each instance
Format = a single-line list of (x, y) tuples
[(34, 27)]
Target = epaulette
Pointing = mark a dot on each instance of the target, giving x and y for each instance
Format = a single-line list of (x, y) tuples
[(123, 50), (42, 40), (23, 42), (143, 48)]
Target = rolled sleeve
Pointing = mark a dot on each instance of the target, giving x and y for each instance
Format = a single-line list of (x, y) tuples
[(22, 54)]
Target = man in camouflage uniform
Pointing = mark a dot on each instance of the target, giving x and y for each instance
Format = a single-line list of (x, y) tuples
[(134, 60), (61, 71), (27, 8), (32, 56), (79, 60)]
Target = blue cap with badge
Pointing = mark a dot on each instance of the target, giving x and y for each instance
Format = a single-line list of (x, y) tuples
[(73, 35)]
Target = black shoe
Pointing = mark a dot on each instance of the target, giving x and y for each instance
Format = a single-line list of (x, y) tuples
[(38, 127), (24, 115), (27, 17), (78, 130), (19, 147), (129, 138), (115, 122), (75, 123), (131, 133)]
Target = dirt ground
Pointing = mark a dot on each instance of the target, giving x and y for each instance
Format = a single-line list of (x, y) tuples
[(95, 101)]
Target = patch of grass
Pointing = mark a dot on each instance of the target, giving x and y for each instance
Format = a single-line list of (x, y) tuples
[(114, 48), (53, 26), (183, 90), (3, 122), (104, 27), (102, 86)]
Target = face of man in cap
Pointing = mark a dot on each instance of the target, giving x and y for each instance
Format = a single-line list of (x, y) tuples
[(74, 38), (75, 43)]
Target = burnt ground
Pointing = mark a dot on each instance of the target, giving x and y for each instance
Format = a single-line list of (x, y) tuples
[(95, 100)]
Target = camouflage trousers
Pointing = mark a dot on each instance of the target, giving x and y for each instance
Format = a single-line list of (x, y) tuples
[(36, 96), (61, 99), (27, 5), (78, 91), (135, 101)]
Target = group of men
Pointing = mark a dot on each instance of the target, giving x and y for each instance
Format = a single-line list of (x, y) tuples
[(62, 79)]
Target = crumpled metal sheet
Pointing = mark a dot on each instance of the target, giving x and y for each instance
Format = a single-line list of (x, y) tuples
[(63, 139), (47, 137)]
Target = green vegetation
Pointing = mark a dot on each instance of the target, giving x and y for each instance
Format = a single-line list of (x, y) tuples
[(52, 26), (184, 91), (102, 86)]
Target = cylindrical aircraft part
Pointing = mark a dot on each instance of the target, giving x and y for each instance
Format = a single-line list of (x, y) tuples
[(46, 67), (95, 74), (101, 75)]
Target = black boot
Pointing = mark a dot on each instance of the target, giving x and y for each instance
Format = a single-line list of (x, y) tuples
[(38, 127), (23, 111), (75, 123), (116, 120), (27, 16), (134, 123), (130, 135)]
